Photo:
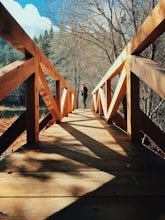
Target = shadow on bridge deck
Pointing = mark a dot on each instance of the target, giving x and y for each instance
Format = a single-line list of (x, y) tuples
[(82, 169)]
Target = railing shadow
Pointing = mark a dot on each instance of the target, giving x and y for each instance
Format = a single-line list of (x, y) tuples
[(110, 201), (115, 208), (125, 196)]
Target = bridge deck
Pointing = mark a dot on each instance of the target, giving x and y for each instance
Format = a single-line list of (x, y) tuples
[(82, 169)]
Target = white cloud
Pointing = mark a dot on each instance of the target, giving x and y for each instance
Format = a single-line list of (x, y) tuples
[(28, 18)]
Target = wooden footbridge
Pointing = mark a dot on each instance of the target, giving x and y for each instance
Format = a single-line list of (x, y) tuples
[(82, 167)]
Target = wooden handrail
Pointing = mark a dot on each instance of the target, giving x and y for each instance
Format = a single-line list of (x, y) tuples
[(131, 68), (31, 70), (151, 72)]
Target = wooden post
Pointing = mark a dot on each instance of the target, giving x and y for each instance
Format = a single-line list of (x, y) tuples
[(133, 112), (100, 107), (94, 102), (70, 101), (97, 102), (108, 93), (64, 103), (102, 103), (32, 106), (58, 95), (73, 101)]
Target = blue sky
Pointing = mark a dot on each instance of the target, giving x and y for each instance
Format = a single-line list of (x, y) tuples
[(32, 15)]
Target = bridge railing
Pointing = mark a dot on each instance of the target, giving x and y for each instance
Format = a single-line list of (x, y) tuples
[(131, 67), (31, 70)]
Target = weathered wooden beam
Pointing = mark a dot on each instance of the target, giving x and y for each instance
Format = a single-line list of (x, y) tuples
[(12, 133), (12, 75), (152, 73), (151, 130), (118, 96)]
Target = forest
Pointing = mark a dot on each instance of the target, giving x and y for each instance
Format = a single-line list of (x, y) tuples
[(91, 35)]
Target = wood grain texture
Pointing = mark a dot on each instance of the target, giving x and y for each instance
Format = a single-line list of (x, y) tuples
[(150, 72), (82, 168), (14, 74)]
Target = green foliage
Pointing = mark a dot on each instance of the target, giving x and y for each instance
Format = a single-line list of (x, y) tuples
[(43, 41), (9, 54)]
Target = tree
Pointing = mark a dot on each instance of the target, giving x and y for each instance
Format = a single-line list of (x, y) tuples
[(99, 30)]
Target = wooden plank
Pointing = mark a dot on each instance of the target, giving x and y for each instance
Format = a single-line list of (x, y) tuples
[(14, 74), (71, 207), (118, 96), (82, 163), (85, 180), (12, 133), (152, 73), (151, 130), (48, 98), (54, 186)]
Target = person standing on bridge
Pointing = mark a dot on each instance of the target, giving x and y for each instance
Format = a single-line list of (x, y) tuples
[(84, 93)]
